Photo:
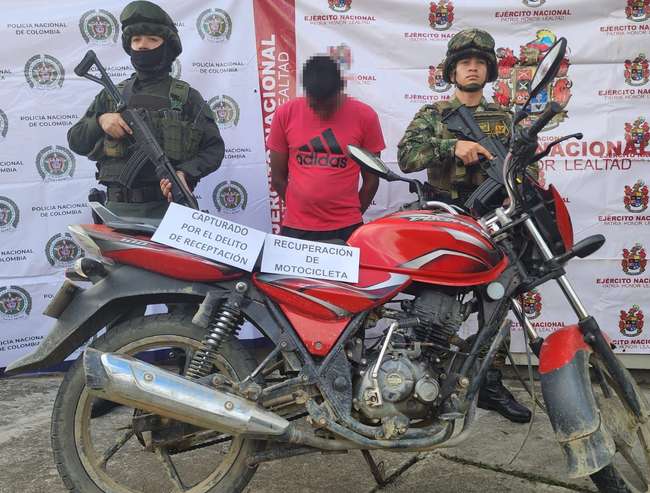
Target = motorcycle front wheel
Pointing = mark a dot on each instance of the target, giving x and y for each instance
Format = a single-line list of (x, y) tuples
[(111, 454), (629, 471)]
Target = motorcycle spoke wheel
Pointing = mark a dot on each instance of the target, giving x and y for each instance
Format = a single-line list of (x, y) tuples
[(127, 450), (629, 471)]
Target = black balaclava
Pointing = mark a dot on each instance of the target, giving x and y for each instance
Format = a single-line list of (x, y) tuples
[(152, 61)]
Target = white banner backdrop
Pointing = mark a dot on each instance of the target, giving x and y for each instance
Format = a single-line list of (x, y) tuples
[(390, 51)]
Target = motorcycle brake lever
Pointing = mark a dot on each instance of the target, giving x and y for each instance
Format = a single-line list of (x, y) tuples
[(547, 151)]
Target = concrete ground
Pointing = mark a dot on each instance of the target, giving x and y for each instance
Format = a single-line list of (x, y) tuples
[(482, 464)]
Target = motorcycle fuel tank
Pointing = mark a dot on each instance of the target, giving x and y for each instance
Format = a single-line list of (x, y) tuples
[(430, 247)]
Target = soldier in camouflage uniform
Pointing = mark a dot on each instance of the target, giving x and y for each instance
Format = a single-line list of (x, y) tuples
[(183, 123), (452, 164)]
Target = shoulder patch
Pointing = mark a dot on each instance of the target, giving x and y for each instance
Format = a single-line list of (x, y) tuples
[(179, 91)]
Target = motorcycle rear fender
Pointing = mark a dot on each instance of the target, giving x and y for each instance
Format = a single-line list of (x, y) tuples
[(92, 309), (572, 408)]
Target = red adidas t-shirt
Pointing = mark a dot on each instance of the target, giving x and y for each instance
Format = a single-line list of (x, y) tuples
[(323, 184)]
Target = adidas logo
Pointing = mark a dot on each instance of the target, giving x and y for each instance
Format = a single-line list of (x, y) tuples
[(317, 154)]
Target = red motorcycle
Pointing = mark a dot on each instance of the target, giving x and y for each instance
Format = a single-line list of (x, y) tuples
[(200, 412)]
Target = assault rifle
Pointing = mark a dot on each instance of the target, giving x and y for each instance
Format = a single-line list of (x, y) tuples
[(491, 192), (146, 146)]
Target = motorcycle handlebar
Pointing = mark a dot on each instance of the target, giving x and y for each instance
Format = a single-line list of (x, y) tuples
[(548, 114)]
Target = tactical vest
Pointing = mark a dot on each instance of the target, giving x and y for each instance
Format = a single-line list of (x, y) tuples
[(494, 121), (175, 130)]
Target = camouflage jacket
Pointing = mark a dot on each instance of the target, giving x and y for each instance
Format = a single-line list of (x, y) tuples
[(427, 144)]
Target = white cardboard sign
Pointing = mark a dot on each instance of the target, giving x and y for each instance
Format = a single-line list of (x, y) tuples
[(210, 236), (283, 255)]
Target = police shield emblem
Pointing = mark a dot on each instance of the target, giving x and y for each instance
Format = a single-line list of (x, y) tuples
[(230, 196), (44, 72), (15, 302), (9, 214), (55, 163), (226, 111), (98, 27), (214, 25), (62, 251), (4, 124)]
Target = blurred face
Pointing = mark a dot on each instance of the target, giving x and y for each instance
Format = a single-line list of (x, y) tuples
[(145, 42), (327, 107), (471, 72)]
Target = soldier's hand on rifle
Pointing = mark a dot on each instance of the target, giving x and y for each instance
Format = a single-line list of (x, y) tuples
[(114, 125), (166, 185), (470, 152)]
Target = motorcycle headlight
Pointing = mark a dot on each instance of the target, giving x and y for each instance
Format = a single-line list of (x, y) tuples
[(563, 218)]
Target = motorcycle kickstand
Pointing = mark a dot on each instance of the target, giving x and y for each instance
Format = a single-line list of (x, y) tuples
[(377, 470)]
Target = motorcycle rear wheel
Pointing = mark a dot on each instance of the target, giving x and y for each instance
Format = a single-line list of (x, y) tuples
[(629, 471), (106, 455)]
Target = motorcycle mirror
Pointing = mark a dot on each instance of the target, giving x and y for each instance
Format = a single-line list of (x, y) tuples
[(368, 161), (547, 69)]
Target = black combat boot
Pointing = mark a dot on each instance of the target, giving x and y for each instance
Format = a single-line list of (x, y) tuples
[(495, 397)]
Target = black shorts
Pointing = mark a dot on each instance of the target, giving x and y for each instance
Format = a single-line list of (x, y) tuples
[(336, 234)]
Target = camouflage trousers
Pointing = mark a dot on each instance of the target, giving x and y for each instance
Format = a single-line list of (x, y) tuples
[(501, 354)]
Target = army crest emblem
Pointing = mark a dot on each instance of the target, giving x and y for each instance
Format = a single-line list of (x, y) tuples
[(637, 134), (531, 303), (631, 322), (98, 27), (533, 3), (342, 54), (441, 15), (637, 72), (44, 72), (4, 125), (638, 10), (214, 25), (15, 302), (636, 197), (9, 214), (515, 75), (340, 5), (226, 111), (634, 260), (436, 81), (230, 196), (55, 163), (61, 250)]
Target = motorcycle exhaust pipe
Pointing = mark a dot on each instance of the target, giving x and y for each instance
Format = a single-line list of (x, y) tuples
[(134, 383)]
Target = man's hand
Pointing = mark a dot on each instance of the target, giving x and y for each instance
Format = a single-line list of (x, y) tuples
[(166, 185), (114, 125), (470, 152)]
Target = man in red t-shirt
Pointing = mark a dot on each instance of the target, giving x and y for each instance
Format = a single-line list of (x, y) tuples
[(310, 167)]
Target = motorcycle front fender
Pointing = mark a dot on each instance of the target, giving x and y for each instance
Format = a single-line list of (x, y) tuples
[(92, 309), (572, 408)]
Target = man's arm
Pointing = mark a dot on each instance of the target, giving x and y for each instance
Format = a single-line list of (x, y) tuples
[(421, 147), (369, 186), (280, 172), (211, 147), (86, 136)]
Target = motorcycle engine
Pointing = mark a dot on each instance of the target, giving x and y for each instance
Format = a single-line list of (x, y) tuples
[(408, 379)]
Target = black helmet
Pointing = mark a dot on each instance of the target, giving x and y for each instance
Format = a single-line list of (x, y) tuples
[(467, 43), (142, 17)]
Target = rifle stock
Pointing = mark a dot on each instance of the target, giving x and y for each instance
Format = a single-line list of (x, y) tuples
[(146, 146)]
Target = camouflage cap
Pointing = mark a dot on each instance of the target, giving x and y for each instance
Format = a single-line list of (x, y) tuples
[(142, 17), (467, 43)]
